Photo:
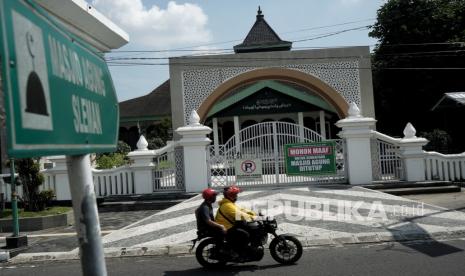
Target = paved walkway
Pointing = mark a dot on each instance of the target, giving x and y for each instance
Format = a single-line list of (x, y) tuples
[(452, 201), (318, 215), (64, 238)]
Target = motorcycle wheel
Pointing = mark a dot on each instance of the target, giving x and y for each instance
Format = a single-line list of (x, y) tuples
[(286, 249), (204, 252)]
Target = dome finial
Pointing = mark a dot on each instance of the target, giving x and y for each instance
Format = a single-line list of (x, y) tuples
[(259, 13)]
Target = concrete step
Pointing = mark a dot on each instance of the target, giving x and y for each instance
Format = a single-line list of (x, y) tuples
[(156, 201), (404, 184), (122, 206), (422, 190), (150, 197)]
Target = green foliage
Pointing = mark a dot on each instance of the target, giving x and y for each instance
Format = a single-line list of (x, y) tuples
[(56, 210), (438, 139), (108, 161), (420, 21), (155, 143), (113, 159), (46, 197), (162, 130), (165, 165), (123, 148), (31, 178), (410, 62)]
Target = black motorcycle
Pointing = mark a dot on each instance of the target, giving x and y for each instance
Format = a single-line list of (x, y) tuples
[(216, 252)]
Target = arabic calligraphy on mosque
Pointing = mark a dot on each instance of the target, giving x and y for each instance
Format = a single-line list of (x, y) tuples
[(266, 104)]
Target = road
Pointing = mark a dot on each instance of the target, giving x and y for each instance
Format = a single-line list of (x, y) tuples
[(420, 258)]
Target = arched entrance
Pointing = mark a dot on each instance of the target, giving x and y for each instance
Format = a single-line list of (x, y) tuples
[(276, 94), (282, 100), (288, 75)]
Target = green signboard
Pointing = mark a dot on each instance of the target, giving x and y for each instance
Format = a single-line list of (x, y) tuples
[(59, 96), (311, 158)]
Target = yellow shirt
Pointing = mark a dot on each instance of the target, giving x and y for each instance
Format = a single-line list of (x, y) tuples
[(232, 212)]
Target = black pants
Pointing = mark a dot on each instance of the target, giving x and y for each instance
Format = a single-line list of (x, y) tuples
[(238, 238)]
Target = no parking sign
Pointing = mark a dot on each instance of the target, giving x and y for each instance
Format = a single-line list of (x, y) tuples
[(248, 170)]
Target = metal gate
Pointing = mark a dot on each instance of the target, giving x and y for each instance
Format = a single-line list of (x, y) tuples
[(265, 141)]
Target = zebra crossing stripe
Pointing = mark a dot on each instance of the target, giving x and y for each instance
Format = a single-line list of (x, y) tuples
[(178, 238), (295, 214), (393, 209), (147, 228), (309, 231), (196, 203), (295, 218), (419, 211), (181, 206)]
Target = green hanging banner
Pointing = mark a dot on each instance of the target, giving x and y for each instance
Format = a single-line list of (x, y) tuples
[(310, 158)]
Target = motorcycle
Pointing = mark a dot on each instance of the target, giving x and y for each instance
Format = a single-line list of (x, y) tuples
[(216, 252)]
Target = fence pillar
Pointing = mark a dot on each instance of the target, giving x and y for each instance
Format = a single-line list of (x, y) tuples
[(142, 167), (60, 171), (357, 132), (194, 141), (411, 148)]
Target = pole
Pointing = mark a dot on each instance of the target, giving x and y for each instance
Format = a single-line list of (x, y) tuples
[(14, 199), (86, 215)]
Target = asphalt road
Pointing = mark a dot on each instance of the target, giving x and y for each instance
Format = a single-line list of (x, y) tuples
[(421, 258)]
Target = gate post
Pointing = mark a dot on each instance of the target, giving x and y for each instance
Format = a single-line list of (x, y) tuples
[(142, 166), (411, 148), (357, 132), (194, 140)]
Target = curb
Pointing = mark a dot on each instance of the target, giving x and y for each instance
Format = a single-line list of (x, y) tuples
[(4, 256), (185, 249)]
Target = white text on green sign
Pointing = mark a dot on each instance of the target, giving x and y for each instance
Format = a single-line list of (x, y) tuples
[(310, 158), (59, 94)]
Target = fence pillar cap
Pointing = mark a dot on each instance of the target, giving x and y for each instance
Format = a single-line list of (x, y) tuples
[(409, 131), (194, 129), (194, 119), (355, 119), (142, 144), (354, 111), (410, 140)]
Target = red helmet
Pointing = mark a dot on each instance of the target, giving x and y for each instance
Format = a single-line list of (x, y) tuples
[(209, 193), (231, 191)]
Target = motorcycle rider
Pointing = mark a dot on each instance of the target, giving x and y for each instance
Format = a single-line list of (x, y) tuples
[(232, 217), (206, 224)]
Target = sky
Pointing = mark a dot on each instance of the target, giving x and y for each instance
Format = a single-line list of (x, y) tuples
[(180, 28)]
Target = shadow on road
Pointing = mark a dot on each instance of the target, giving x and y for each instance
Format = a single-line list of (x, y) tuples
[(226, 270), (432, 248)]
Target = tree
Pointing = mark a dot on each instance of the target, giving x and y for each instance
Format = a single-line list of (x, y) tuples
[(162, 130), (110, 160), (123, 148), (114, 159), (155, 143), (31, 178), (420, 42)]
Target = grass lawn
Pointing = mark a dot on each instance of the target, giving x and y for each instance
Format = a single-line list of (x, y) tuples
[(47, 212)]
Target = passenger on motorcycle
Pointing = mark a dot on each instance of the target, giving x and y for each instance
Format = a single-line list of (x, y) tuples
[(206, 225), (233, 217)]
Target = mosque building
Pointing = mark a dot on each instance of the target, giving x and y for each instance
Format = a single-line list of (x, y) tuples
[(264, 80)]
